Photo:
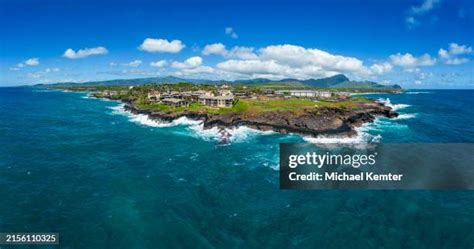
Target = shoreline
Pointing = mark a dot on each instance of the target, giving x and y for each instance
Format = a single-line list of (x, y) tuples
[(322, 122)]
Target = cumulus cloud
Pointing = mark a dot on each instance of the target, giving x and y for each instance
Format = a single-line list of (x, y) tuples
[(159, 64), (86, 52), (408, 60), (299, 56), (161, 46), (32, 62), (189, 63), (29, 62), (230, 31), (215, 48), (197, 71), (382, 68), (452, 55), (246, 53), (456, 49), (237, 52), (134, 63), (282, 61)]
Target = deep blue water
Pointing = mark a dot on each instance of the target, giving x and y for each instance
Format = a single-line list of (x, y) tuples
[(104, 179)]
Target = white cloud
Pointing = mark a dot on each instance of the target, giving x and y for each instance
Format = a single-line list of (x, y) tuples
[(159, 64), (455, 48), (253, 67), (189, 63), (49, 70), (200, 70), (230, 31), (380, 69), (29, 62), (451, 55), (283, 61), (426, 6), (32, 62), (161, 46), (134, 63), (408, 60), (237, 52), (245, 53), (215, 48), (444, 54), (112, 64), (86, 52), (417, 11), (299, 56), (457, 61)]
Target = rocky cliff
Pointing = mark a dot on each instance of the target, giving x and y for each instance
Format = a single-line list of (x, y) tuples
[(319, 121)]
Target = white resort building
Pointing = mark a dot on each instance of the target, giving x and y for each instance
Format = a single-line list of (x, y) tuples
[(306, 93), (218, 101), (174, 102)]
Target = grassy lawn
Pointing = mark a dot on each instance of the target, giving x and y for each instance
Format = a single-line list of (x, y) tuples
[(254, 107)]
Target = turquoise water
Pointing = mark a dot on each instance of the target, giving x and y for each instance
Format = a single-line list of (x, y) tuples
[(105, 179)]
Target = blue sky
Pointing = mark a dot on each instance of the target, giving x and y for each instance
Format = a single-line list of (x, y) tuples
[(417, 44)]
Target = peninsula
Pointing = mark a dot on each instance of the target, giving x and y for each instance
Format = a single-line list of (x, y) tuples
[(283, 108)]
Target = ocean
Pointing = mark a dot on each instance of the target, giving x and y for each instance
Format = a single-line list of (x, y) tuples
[(103, 178)]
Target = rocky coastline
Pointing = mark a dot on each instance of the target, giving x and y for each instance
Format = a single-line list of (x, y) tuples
[(320, 121)]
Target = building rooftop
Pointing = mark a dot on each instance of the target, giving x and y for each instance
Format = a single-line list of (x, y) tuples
[(173, 100), (230, 97)]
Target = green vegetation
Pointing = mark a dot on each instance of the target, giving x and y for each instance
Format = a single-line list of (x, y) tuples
[(138, 95), (256, 107)]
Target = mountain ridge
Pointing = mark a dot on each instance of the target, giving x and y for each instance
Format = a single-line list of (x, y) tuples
[(336, 81)]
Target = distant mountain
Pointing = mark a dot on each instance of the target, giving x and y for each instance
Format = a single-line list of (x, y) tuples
[(327, 82), (336, 81), (129, 82)]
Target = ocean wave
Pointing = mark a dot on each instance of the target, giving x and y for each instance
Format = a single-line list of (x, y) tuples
[(417, 92), (362, 137), (88, 96), (369, 93), (385, 124), (194, 127), (368, 133), (394, 107), (141, 119), (405, 116), (232, 135)]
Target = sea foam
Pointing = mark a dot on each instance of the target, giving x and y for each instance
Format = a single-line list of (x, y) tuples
[(195, 128), (417, 92), (405, 116), (234, 134), (362, 137), (394, 107)]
